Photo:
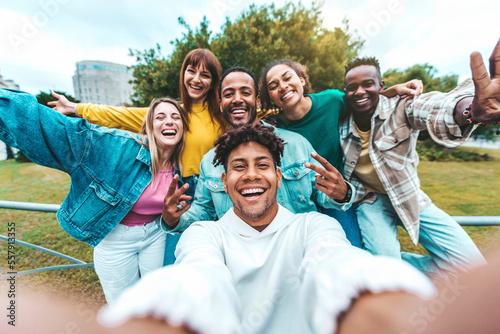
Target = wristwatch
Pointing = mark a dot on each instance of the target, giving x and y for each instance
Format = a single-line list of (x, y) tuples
[(348, 195)]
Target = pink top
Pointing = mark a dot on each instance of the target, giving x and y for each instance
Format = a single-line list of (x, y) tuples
[(150, 204)]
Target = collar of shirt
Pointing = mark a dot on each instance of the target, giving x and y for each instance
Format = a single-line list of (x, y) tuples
[(231, 221)]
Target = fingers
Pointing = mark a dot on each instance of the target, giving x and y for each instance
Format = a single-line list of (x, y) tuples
[(54, 94), (495, 62), (172, 186), (418, 87), (328, 166), (479, 73)]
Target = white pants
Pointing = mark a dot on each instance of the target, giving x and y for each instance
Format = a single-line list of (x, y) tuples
[(127, 253)]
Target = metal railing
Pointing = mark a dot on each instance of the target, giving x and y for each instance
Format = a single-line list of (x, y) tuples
[(462, 220), (41, 208)]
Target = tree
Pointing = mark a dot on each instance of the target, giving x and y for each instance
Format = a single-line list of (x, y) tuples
[(156, 76), (424, 72), (44, 97), (257, 36), (265, 33)]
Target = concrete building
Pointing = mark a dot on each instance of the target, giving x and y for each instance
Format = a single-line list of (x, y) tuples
[(102, 82), (8, 83), (11, 85)]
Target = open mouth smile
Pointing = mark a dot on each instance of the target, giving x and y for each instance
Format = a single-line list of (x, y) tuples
[(253, 193), (169, 133), (287, 96), (362, 101), (197, 88)]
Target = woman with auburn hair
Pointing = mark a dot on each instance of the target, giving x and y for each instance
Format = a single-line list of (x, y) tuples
[(284, 85), (118, 180), (199, 90)]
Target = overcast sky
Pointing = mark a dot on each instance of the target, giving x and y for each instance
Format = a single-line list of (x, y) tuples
[(40, 41)]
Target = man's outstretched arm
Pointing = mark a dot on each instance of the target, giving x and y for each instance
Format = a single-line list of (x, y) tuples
[(485, 105)]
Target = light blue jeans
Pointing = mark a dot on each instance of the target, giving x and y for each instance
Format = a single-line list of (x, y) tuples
[(450, 248), (127, 253), (349, 223)]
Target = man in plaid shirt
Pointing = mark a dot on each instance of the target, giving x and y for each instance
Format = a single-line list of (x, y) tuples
[(379, 137)]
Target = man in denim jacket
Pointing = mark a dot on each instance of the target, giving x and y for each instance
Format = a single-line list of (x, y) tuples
[(299, 192)]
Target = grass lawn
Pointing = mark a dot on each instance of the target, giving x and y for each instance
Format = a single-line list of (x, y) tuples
[(461, 189)]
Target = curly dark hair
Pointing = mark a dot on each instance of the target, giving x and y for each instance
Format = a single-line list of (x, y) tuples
[(260, 134), (301, 70), (372, 61)]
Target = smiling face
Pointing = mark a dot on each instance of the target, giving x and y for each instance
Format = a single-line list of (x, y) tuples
[(363, 86), (167, 126), (251, 181), (238, 99), (285, 87), (197, 81)]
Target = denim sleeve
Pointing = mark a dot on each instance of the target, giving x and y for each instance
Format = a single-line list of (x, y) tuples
[(320, 198), (202, 208), (45, 136)]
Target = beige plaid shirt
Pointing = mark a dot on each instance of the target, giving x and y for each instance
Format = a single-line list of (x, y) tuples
[(395, 126)]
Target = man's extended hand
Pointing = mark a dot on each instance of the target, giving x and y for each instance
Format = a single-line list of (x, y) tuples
[(486, 102), (63, 105), (171, 213), (328, 179)]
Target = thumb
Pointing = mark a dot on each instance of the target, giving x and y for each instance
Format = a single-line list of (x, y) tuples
[(54, 94)]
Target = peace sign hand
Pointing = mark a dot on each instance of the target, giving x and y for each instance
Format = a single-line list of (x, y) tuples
[(486, 103), (173, 202), (328, 179)]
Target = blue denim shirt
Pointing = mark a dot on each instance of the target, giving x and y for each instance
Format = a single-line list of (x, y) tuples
[(297, 192), (109, 170)]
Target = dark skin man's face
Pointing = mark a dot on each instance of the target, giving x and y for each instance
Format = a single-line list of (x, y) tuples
[(362, 87)]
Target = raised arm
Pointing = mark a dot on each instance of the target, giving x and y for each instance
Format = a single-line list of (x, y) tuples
[(485, 105), (43, 135), (335, 274), (410, 89), (124, 118)]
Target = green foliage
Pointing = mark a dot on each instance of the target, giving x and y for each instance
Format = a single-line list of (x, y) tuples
[(486, 132), (424, 72), (257, 36), (430, 151), (44, 97)]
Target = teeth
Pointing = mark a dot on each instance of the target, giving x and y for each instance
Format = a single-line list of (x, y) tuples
[(362, 100), (238, 111), (252, 191), (169, 132), (287, 95), (195, 87)]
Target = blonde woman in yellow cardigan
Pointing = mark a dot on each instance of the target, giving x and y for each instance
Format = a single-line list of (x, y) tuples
[(199, 90)]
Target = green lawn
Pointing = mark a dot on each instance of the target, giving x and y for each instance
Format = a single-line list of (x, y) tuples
[(461, 189)]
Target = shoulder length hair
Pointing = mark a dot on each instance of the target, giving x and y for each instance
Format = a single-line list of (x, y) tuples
[(205, 58), (149, 141)]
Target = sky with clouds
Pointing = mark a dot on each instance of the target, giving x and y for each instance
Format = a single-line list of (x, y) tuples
[(40, 41)]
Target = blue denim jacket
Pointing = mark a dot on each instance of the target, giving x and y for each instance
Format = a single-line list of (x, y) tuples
[(297, 193), (109, 170)]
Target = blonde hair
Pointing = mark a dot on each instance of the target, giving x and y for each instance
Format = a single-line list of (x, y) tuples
[(149, 141)]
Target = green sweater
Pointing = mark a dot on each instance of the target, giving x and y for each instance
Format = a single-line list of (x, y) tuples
[(321, 125)]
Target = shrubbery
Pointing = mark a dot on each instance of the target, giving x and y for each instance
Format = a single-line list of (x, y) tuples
[(429, 150)]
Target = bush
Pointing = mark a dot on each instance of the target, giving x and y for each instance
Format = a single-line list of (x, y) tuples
[(429, 150)]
